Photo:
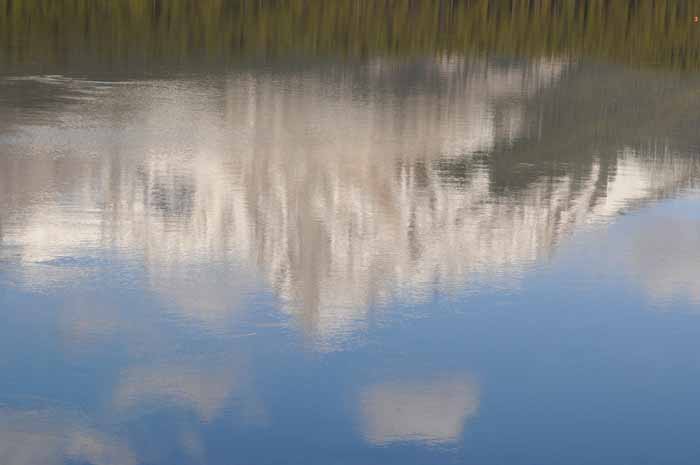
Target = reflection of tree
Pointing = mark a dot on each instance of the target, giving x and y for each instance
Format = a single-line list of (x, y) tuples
[(593, 114)]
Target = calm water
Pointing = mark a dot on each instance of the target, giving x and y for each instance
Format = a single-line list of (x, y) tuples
[(445, 258)]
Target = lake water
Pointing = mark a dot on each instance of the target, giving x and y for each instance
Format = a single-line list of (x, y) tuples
[(441, 258)]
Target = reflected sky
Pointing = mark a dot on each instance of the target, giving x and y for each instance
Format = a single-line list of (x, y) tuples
[(45, 437), (442, 259), (433, 411)]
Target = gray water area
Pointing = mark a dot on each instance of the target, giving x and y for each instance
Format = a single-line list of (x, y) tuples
[(428, 261)]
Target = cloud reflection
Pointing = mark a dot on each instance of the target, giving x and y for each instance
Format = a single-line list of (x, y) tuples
[(50, 437), (204, 390), (427, 411), (665, 258)]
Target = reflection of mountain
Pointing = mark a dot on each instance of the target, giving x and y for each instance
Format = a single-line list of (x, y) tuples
[(341, 188), (427, 411)]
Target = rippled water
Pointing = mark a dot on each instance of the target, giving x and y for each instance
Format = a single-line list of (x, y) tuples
[(428, 260)]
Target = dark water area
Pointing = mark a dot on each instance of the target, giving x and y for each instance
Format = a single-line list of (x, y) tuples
[(340, 242)]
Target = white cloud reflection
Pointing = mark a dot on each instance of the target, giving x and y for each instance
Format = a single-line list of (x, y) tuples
[(204, 390), (50, 437), (664, 258), (432, 411)]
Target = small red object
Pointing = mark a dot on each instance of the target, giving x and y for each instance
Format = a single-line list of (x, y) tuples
[(696, 19)]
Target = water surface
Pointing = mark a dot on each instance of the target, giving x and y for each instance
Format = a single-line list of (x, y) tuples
[(446, 258)]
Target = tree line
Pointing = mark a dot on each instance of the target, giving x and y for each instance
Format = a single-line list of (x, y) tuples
[(644, 32)]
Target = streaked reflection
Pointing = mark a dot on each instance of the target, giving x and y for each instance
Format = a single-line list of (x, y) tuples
[(340, 190), (432, 411)]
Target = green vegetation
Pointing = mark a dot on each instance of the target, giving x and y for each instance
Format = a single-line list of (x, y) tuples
[(656, 32)]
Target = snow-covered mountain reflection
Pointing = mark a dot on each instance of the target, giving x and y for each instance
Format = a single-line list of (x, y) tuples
[(338, 190)]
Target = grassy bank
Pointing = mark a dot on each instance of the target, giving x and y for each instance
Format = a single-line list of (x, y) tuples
[(645, 32)]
